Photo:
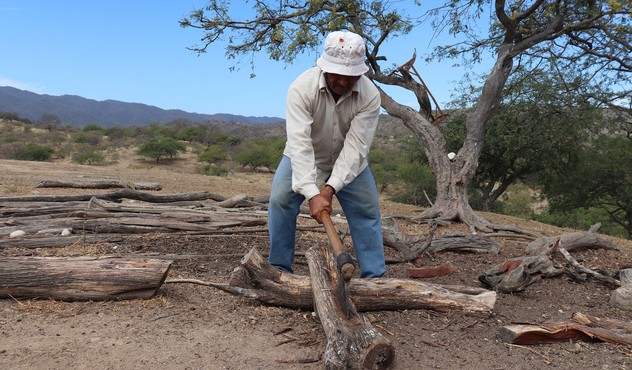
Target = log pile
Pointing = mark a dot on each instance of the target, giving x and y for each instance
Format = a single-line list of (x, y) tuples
[(105, 217)]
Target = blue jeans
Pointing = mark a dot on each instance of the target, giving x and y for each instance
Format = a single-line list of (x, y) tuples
[(359, 201)]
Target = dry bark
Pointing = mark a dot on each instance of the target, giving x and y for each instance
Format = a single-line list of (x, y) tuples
[(81, 278), (582, 327), (352, 342)]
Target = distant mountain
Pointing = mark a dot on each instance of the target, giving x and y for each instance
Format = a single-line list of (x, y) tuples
[(77, 111)]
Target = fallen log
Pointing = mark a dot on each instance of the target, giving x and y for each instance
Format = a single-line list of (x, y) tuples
[(257, 279), (607, 280), (99, 184), (412, 246), (117, 195), (81, 278), (572, 242), (352, 342), (582, 327)]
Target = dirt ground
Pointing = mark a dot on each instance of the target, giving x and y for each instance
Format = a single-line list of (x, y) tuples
[(188, 326)]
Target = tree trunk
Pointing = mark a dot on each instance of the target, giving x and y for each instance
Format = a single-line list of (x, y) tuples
[(352, 342), (257, 279), (454, 177), (81, 278)]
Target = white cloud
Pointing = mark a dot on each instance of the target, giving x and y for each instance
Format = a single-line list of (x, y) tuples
[(22, 85)]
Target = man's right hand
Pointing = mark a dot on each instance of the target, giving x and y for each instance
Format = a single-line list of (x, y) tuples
[(319, 203)]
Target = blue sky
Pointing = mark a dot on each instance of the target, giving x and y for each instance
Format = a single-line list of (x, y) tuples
[(135, 51)]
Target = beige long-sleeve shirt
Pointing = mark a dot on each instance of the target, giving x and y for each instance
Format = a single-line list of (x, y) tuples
[(328, 140)]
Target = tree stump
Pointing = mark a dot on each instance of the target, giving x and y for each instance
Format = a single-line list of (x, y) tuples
[(352, 342)]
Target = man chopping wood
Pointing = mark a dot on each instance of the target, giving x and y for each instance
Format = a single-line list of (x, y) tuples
[(331, 116)]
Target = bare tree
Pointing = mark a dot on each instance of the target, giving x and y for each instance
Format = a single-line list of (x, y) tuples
[(521, 30)]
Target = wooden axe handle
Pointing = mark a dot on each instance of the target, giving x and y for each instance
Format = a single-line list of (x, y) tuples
[(332, 234), (348, 268)]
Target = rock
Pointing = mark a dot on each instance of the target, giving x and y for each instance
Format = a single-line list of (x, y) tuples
[(17, 234)]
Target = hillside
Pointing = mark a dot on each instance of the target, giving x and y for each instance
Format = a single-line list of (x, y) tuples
[(78, 111)]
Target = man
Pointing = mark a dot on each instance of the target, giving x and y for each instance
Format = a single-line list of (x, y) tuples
[(331, 116)]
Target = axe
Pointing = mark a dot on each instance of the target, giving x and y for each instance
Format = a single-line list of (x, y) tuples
[(344, 261)]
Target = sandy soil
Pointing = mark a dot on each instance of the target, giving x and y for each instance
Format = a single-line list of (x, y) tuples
[(188, 326)]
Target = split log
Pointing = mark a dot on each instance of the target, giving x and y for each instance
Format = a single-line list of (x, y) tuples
[(257, 279), (81, 278), (352, 342), (99, 184), (582, 327)]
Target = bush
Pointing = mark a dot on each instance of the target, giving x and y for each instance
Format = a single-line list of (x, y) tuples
[(583, 219), (210, 170), (34, 152), (89, 157), (418, 179)]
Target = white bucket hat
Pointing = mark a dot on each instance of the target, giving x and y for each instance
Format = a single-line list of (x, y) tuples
[(343, 54)]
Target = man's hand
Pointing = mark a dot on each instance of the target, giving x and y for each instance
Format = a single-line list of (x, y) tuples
[(321, 202)]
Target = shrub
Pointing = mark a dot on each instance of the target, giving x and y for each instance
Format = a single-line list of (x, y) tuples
[(210, 170), (34, 152), (89, 157)]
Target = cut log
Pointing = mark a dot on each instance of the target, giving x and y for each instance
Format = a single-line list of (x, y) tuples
[(99, 184), (257, 279), (81, 278), (582, 327), (352, 342)]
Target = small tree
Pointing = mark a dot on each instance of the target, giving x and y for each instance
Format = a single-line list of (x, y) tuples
[(214, 154), (161, 148), (265, 152), (49, 122), (188, 134), (599, 177)]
